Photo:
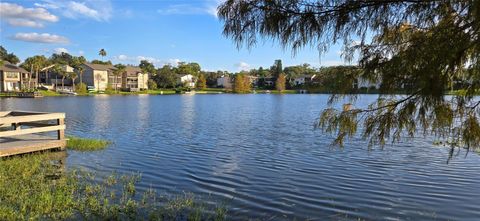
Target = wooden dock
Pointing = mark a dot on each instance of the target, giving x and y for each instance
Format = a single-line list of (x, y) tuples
[(25, 132)]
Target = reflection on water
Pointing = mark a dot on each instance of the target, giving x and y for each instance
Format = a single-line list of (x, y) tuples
[(260, 154)]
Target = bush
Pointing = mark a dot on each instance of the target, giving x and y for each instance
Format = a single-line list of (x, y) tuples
[(81, 88), (152, 85)]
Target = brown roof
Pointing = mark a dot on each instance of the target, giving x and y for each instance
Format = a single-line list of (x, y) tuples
[(7, 66), (100, 67), (132, 70)]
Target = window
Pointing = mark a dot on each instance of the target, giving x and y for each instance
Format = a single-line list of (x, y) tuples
[(11, 75)]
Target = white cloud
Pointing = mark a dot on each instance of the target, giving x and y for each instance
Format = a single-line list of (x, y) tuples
[(174, 61), (243, 66), (81, 52), (100, 10), (41, 38), (17, 15), (60, 50), (24, 23), (209, 7), (78, 9), (122, 57)]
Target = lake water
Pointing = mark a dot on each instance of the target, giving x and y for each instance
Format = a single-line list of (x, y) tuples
[(261, 155)]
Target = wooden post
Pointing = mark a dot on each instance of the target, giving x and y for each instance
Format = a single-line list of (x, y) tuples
[(60, 133)]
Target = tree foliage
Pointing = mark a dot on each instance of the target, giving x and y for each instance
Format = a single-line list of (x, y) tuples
[(147, 67), (166, 77), (10, 57), (241, 84), (201, 82), (101, 62), (421, 45), (280, 83)]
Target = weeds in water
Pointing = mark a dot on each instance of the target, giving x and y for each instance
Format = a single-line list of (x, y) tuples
[(86, 144), (38, 187)]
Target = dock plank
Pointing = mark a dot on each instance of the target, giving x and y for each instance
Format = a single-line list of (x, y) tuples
[(29, 143)]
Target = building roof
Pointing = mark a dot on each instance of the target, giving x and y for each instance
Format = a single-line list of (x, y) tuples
[(7, 66), (132, 70), (100, 67)]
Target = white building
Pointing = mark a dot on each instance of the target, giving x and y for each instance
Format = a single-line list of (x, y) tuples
[(225, 81), (301, 80), (187, 80), (96, 75)]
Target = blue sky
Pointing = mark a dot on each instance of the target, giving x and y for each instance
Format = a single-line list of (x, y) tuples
[(163, 31)]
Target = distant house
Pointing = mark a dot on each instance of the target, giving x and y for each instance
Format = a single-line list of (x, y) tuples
[(225, 81), (367, 84), (11, 77), (134, 79), (187, 80), (97, 76), (268, 81), (253, 80), (301, 80), (50, 78)]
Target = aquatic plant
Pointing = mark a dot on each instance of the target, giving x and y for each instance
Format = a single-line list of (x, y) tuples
[(86, 144), (38, 187)]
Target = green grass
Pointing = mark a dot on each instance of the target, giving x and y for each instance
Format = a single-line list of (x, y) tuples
[(85, 144), (50, 93), (39, 187)]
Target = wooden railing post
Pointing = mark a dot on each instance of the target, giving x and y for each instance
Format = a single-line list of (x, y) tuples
[(61, 132)]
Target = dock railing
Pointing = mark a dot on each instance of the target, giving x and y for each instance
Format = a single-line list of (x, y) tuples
[(23, 127)]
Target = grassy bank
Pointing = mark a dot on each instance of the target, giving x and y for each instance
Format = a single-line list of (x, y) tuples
[(86, 144), (38, 187)]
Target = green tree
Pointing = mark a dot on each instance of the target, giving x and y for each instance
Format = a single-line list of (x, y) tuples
[(152, 85), (73, 76), (184, 68), (276, 69), (166, 77), (423, 44), (34, 64), (60, 70), (62, 58), (101, 62), (201, 82), (280, 82), (10, 57), (77, 63), (147, 67), (102, 53), (119, 71)]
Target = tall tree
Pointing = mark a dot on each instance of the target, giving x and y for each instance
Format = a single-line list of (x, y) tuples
[(241, 84), (277, 68), (424, 44), (119, 71), (188, 68), (201, 82), (77, 63), (34, 64), (280, 82), (147, 67), (10, 57), (166, 77), (102, 53)]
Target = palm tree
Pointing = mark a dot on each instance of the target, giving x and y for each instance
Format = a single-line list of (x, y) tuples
[(102, 53), (119, 70), (73, 76)]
